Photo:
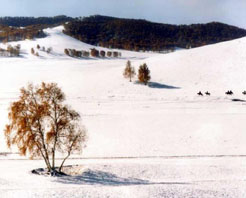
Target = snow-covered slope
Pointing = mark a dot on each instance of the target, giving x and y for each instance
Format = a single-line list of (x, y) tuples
[(125, 119), (59, 41), (129, 119), (215, 67)]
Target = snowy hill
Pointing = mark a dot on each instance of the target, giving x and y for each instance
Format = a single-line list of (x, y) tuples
[(145, 117), (215, 67), (179, 143)]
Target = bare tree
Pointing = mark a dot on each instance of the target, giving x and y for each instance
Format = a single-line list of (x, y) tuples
[(49, 50), (129, 71), (144, 74), (66, 52), (41, 125), (85, 53), (115, 54), (94, 52), (32, 51), (102, 53), (13, 51), (109, 54)]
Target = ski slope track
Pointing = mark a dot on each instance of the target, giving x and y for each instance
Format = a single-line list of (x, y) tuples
[(160, 140)]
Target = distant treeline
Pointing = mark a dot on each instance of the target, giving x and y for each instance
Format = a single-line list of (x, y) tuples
[(8, 34), (27, 21), (20, 28), (137, 35)]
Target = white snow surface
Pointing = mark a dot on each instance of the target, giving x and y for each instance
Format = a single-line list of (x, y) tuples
[(161, 140)]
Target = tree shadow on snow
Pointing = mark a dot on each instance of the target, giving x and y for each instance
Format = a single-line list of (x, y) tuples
[(157, 85), (94, 177), (161, 86)]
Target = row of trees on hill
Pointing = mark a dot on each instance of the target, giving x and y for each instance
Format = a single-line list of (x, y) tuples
[(143, 72), (10, 51), (39, 48), (21, 28), (8, 34), (93, 52), (137, 35)]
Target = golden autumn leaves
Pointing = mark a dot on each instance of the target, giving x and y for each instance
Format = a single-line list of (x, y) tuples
[(143, 73), (42, 125)]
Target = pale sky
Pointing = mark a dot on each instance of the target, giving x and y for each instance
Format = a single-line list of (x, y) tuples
[(165, 11)]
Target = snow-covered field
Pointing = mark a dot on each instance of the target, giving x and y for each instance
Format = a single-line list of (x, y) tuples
[(161, 140)]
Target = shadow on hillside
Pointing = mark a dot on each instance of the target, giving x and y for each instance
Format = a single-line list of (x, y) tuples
[(161, 86), (95, 177)]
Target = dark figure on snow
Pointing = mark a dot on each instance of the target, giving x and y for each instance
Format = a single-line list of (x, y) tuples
[(207, 93), (199, 93), (229, 92)]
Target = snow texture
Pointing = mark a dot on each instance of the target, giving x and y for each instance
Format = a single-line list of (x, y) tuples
[(160, 140)]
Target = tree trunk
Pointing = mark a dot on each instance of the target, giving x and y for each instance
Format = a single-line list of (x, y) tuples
[(60, 168), (53, 158)]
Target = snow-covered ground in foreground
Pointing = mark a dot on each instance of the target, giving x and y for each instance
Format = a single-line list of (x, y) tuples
[(162, 178), (125, 119)]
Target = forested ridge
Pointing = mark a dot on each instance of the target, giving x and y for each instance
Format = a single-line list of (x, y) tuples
[(132, 34), (21, 28), (28, 21)]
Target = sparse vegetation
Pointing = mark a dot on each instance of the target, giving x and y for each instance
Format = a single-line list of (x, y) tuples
[(10, 51)]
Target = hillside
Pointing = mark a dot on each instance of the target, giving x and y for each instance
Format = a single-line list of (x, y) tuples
[(137, 35), (160, 140), (21, 28), (96, 88)]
